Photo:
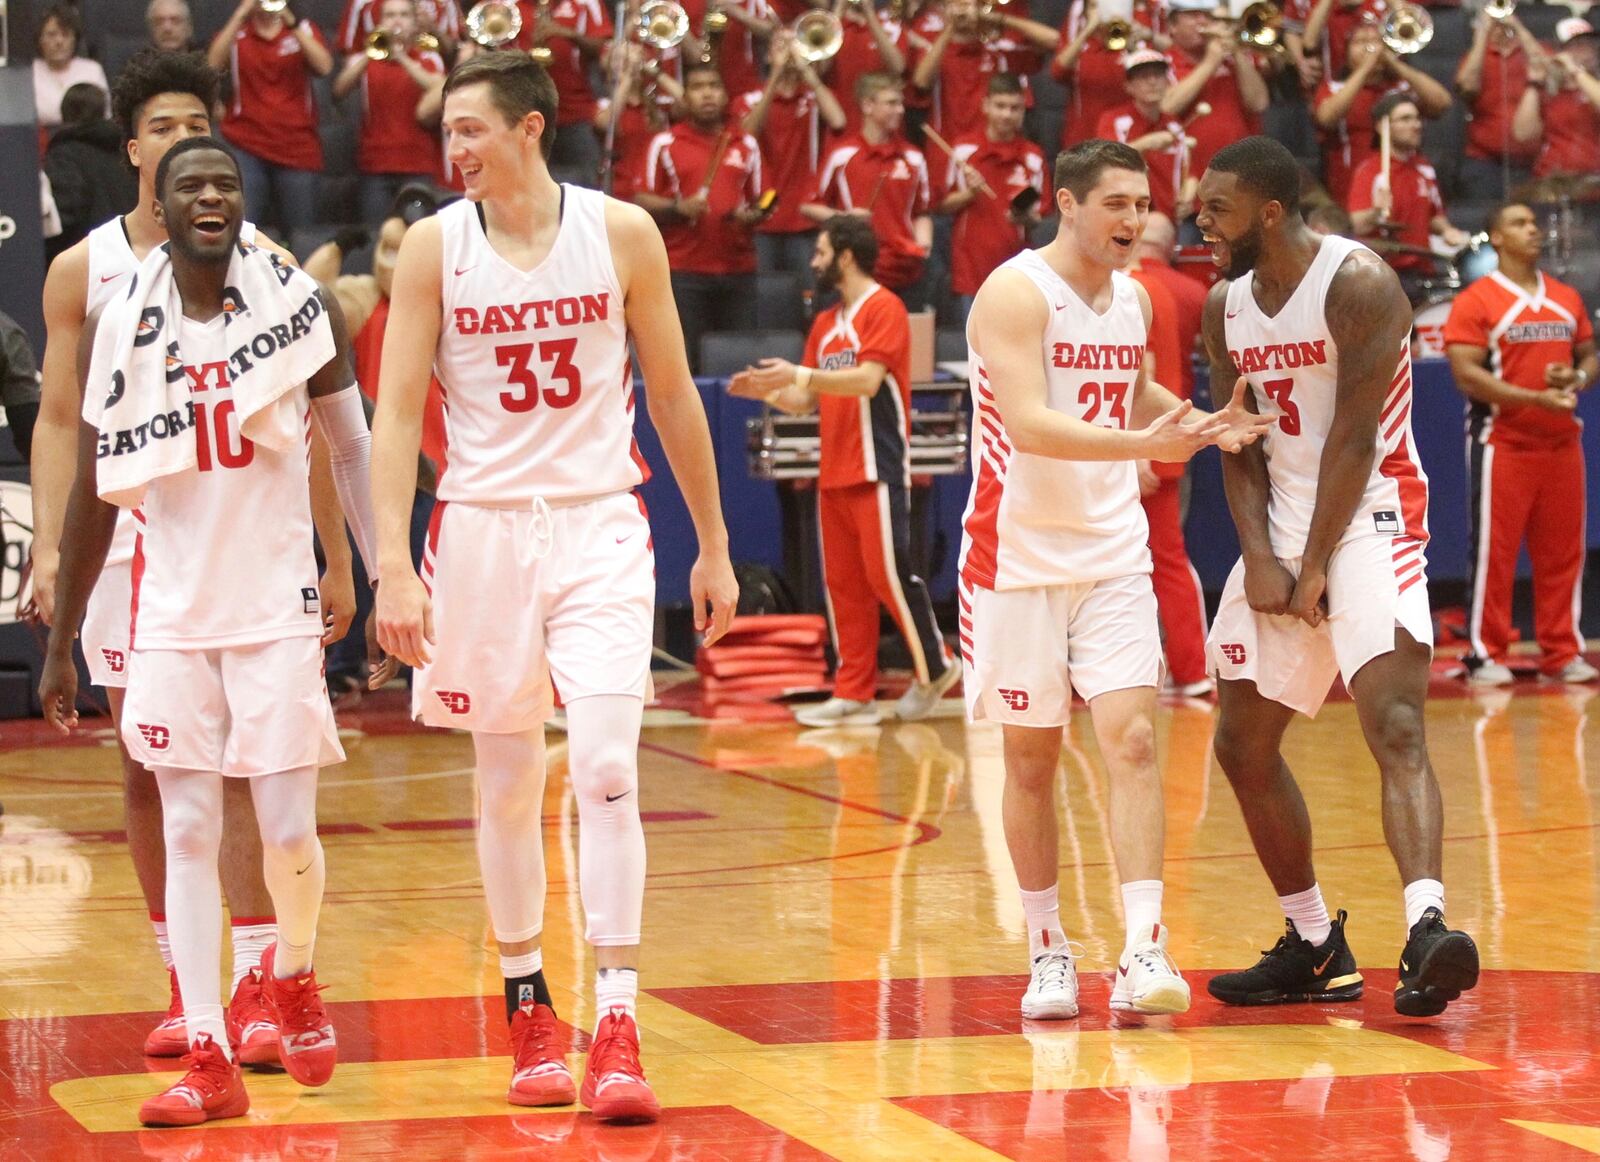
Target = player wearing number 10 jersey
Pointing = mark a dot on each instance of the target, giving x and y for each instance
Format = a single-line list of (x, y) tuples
[(1331, 509), (539, 565)]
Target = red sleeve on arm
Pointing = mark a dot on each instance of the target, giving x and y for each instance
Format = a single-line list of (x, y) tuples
[(885, 332), (1468, 323), (1361, 183)]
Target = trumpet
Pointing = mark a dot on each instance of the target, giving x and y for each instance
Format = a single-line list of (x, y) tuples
[(1500, 9), (818, 35), (663, 24), (382, 44), (1115, 34), (1407, 29), (494, 23), (1259, 25)]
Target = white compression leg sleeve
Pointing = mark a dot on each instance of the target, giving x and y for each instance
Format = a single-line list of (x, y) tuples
[(510, 769), (292, 863), (603, 758), (191, 812)]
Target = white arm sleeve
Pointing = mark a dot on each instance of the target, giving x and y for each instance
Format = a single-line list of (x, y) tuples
[(343, 424)]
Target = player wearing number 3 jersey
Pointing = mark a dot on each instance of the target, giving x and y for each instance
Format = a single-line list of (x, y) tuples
[(1055, 562), (539, 569), (1331, 508)]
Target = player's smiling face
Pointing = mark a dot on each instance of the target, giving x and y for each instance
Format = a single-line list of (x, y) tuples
[(484, 145), (1109, 221), (202, 205), (1230, 222)]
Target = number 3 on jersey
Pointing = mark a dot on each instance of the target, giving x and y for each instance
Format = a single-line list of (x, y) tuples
[(1279, 391), (517, 358)]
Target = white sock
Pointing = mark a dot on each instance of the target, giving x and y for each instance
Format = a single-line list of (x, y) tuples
[(1141, 910), (528, 963), (1309, 914), (1420, 896), (1042, 910), (251, 936), (615, 988), (207, 1019), (158, 922)]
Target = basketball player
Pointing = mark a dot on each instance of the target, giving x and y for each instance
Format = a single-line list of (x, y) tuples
[(523, 297), (159, 98), (1055, 563), (1332, 518), (225, 677)]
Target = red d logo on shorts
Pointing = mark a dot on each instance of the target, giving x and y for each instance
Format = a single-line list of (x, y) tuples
[(456, 701), (1233, 652), (155, 737), (1017, 700), (116, 660)]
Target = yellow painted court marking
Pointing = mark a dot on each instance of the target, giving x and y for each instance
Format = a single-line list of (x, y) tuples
[(1583, 1137)]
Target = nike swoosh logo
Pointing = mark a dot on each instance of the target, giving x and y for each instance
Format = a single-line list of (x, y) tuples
[(1323, 967), (305, 869), (1404, 967), (105, 278), (1233, 314), (614, 798), (1061, 306), (463, 270)]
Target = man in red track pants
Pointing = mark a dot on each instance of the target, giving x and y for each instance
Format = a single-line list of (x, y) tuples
[(1522, 348), (856, 372)]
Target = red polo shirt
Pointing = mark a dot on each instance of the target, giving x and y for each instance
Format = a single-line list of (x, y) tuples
[(636, 129), (568, 68), (273, 114), (1165, 346), (1571, 135), (1125, 123), (892, 181), (1228, 120), (736, 53), (857, 56), (963, 80), (1189, 295), (676, 167), (1416, 201), (1503, 77), (983, 235), (791, 150), (1349, 143), (392, 141), (361, 17), (1096, 82)]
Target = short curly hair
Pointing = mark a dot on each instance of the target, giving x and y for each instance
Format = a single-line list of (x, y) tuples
[(152, 72)]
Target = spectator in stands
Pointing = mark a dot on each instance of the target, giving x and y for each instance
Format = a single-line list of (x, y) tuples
[(170, 25), (1405, 208), (440, 18), (575, 32), (702, 181), (877, 174), (983, 178), (642, 96), (272, 118), (1560, 108), (856, 374), (19, 385), (1522, 347), (1094, 74), (1327, 27), (1160, 137), (972, 47), (1344, 106), (399, 142), (869, 46), (1491, 79), (1210, 65), (738, 51), (787, 118), (57, 65), (90, 178), (1158, 245)]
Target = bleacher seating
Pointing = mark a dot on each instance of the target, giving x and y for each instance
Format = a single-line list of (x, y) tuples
[(725, 352)]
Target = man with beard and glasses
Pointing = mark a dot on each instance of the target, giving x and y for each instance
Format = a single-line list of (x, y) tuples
[(1332, 516), (856, 373), (1055, 561)]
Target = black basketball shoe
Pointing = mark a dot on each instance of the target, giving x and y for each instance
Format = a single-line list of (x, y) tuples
[(1295, 971), (1436, 967)]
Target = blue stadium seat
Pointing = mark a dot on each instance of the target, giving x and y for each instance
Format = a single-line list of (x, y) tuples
[(724, 352), (778, 303)]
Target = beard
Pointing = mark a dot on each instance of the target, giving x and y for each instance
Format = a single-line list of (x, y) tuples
[(828, 280), (1244, 252), (212, 251)]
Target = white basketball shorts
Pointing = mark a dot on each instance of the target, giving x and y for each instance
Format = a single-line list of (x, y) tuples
[(106, 620), (1293, 664), (1026, 650), (242, 710), (529, 596)]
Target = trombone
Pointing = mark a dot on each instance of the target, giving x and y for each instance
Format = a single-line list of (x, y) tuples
[(1259, 24), (492, 23), (663, 24), (818, 36), (1407, 29), (382, 44)]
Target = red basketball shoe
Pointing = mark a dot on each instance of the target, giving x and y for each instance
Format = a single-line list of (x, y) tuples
[(306, 1044), (251, 1030), (540, 1076), (213, 1088), (614, 1087), (171, 1037)]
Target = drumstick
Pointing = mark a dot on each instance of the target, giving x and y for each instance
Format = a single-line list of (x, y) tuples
[(932, 135), (1201, 109), (724, 139), (1383, 161), (876, 190)]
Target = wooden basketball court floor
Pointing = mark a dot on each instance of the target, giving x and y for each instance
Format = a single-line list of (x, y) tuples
[(833, 956)]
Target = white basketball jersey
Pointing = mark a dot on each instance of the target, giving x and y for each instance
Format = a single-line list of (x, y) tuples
[(538, 387), (1292, 365), (224, 555), (111, 260), (1035, 520)]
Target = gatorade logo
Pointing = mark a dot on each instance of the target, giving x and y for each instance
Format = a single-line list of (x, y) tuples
[(1017, 700), (155, 737), (456, 701)]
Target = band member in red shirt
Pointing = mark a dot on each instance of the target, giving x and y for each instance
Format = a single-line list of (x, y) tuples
[(788, 118), (702, 180), (441, 18), (1328, 25), (1159, 137), (1408, 208), (1560, 108), (642, 97), (1490, 79), (958, 64), (1522, 347), (736, 51), (398, 143), (575, 33), (878, 175), (272, 117), (983, 176), (1210, 65), (870, 45), (856, 374)]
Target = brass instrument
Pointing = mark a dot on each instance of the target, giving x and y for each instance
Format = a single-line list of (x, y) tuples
[(711, 34), (1407, 29), (494, 23), (818, 35), (1500, 9), (272, 6), (540, 52), (381, 44), (992, 20), (663, 24), (1115, 24), (1259, 25)]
